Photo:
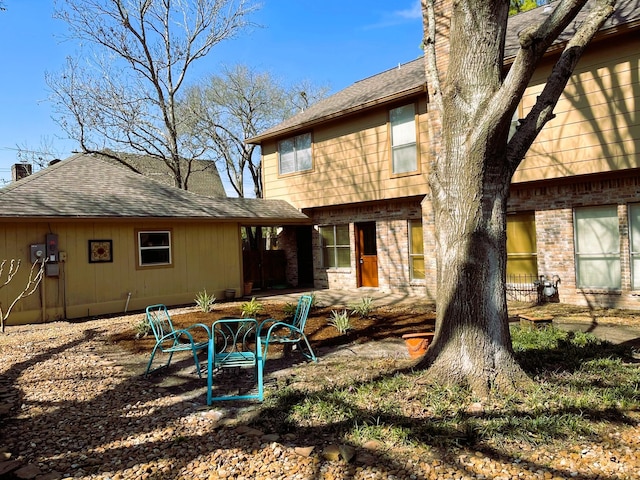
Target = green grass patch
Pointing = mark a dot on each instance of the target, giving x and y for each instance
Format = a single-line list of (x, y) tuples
[(583, 387)]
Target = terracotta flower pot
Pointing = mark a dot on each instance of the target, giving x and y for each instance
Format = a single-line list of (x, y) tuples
[(418, 343)]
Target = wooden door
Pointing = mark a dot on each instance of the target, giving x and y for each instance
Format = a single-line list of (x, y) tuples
[(367, 254)]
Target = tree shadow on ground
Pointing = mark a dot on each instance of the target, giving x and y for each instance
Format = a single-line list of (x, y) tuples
[(114, 420)]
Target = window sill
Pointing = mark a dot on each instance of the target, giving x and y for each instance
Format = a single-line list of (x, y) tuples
[(405, 174), (599, 291)]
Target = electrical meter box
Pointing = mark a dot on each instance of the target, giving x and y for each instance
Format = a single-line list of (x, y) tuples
[(52, 247), (37, 252)]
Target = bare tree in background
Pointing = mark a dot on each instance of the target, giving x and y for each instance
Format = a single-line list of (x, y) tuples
[(125, 99), (473, 104), (39, 156), (36, 274), (236, 105)]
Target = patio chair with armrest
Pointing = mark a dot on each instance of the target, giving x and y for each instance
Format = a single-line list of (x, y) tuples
[(288, 333), (169, 340)]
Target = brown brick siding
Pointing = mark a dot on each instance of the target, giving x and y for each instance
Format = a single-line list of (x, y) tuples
[(553, 205), (287, 241), (392, 244)]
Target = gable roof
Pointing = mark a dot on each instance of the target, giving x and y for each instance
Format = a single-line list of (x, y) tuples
[(204, 178), (409, 78), (86, 187), (399, 82)]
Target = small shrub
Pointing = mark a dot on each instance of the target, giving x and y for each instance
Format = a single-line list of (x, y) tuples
[(314, 300), (289, 310), (252, 308), (204, 301), (340, 320), (142, 328), (364, 308)]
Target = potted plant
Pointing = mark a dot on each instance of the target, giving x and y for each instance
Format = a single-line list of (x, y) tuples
[(417, 343)]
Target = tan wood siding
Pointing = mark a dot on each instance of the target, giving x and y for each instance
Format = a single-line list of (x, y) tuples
[(205, 255), (351, 163), (597, 126)]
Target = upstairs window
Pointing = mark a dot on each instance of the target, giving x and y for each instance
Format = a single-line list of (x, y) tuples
[(154, 248), (294, 154), (404, 154)]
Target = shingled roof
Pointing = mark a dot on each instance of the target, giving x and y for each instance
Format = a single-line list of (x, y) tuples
[(409, 78), (86, 187), (204, 178)]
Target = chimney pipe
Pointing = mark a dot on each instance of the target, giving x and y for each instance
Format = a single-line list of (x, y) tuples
[(20, 171)]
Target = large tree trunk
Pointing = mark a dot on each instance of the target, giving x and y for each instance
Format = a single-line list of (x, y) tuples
[(469, 188), (471, 106), (472, 344)]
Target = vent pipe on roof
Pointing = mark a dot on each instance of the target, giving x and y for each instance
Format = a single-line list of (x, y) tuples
[(54, 161)]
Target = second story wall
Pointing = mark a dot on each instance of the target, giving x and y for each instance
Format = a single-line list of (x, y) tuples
[(351, 162), (596, 129), (597, 124)]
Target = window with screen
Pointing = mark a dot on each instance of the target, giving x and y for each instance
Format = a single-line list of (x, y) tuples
[(336, 251), (597, 245)]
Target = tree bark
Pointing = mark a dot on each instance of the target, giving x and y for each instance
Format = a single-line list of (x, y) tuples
[(472, 106)]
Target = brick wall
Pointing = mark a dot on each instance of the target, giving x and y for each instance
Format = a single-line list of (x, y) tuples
[(287, 241), (392, 245), (553, 205)]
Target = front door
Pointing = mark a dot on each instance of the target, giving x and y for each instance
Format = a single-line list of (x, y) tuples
[(367, 255)]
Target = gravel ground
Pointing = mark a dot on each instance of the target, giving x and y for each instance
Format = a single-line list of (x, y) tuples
[(73, 406)]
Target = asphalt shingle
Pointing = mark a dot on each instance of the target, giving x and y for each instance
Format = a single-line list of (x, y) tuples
[(409, 78), (84, 186)]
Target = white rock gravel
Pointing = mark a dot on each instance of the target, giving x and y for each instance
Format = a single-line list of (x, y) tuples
[(71, 406)]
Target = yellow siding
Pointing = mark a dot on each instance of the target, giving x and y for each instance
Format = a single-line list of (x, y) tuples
[(204, 255), (350, 164), (596, 128)]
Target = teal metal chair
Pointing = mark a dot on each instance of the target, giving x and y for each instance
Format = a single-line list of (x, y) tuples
[(169, 340), (288, 333), (234, 344)]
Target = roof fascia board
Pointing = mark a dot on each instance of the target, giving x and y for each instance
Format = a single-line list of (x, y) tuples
[(123, 220)]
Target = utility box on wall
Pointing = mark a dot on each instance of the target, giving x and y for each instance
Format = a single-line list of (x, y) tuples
[(37, 252), (52, 269)]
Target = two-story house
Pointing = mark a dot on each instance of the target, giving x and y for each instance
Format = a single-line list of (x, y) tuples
[(357, 164)]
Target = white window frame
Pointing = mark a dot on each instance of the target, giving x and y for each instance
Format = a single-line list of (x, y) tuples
[(412, 255), (402, 130), (634, 244), (332, 250), (295, 154), (144, 248), (597, 247)]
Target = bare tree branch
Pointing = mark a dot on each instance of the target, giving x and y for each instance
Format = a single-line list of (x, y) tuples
[(125, 97), (35, 277), (236, 105)]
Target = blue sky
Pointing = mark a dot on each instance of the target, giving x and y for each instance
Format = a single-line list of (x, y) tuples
[(333, 42)]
